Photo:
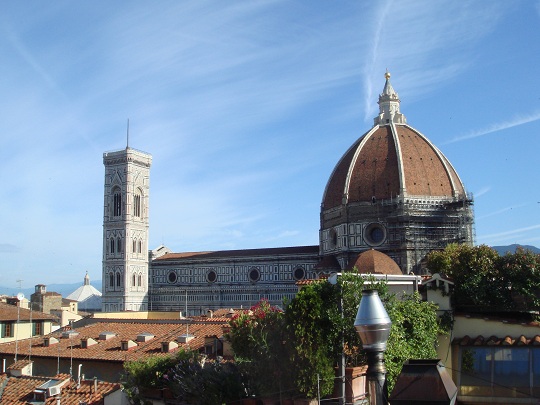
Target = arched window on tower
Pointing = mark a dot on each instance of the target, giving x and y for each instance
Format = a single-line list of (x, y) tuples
[(111, 280), (133, 280), (112, 245), (118, 280), (137, 204), (140, 280), (140, 247), (119, 245), (134, 246), (117, 203)]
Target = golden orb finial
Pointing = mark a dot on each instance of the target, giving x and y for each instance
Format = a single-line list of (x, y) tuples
[(387, 74)]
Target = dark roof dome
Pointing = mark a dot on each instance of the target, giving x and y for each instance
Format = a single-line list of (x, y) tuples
[(374, 262), (392, 159)]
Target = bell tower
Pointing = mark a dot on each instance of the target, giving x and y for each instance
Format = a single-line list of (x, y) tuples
[(125, 230)]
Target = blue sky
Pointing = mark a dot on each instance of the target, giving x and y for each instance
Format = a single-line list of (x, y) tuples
[(246, 107)]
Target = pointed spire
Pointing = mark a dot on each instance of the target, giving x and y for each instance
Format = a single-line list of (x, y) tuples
[(389, 105), (127, 135)]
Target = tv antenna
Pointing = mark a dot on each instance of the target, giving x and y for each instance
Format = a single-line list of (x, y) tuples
[(20, 297)]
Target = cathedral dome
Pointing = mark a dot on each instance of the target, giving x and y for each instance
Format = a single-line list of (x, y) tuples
[(88, 297), (395, 191), (374, 262), (392, 159)]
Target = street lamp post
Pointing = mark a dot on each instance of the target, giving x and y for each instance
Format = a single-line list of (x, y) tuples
[(373, 326)]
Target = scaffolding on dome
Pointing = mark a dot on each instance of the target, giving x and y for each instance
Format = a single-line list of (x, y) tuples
[(419, 226)]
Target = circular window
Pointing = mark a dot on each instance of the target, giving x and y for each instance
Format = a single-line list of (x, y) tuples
[(254, 275), (299, 273), (172, 277), (374, 234), (211, 276)]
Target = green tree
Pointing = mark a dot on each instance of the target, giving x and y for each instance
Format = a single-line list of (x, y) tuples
[(413, 335), (141, 375), (316, 324), (201, 382), (483, 280), (259, 342), (473, 271), (521, 278), (186, 375)]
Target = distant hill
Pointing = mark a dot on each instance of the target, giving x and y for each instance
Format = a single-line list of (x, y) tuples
[(62, 289), (502, 250)]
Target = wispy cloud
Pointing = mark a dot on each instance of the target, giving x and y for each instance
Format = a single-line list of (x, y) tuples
[(512, 233), (282, 235), (482, 191), (499, 126), (373, 56), (26, 54), (245, 106), (8, 248), (427, 51), (501, 211)]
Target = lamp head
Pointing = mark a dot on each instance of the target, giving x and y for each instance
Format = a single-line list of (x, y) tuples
[(372, 322)]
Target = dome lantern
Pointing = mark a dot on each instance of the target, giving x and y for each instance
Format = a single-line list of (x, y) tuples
[(389, 105)]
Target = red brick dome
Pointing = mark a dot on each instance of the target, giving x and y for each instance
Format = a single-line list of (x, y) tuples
[(392, 159), (374, 262)]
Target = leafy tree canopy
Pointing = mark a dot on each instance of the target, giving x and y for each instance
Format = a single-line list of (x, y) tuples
[(310, 332), (186, 376), (413, 333), (485, 280)]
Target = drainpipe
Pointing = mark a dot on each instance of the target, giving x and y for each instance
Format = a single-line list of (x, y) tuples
[(79, 377)]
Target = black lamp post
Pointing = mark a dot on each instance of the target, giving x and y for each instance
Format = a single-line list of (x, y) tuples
[(373, 326)]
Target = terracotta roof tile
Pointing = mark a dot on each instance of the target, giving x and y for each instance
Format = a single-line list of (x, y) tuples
[(19, 365), (294, 250), (20, 390), (12, 313), (110, 349), (498, 341)]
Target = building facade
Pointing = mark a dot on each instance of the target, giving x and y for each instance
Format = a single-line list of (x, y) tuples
[(45, 301), (392, 191), (87, 297), (18, 323), (125, 230), (195, 282)]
